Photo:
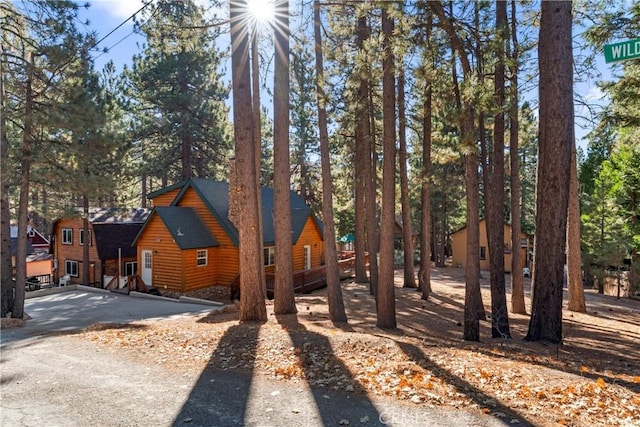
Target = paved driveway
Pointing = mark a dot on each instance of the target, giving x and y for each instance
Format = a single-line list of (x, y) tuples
[(76, 309), (58, 380)]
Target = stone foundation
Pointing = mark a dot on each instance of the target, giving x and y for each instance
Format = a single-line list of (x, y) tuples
[(212, 293)]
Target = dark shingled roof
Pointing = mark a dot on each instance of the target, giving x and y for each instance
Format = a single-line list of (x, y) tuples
[(13, 246), (216, 195), (186, 227), (118, 215), (108, 237)]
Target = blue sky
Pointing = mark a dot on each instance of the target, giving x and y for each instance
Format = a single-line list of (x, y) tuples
[(105, 15)]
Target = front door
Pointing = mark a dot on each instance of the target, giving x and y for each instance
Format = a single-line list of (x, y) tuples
[(147, 262)]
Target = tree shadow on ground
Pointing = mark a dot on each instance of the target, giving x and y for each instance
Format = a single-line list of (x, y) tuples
[(228, 315), (21, 341), (220, 396), (606, 350), (503, 413), (323, 369)]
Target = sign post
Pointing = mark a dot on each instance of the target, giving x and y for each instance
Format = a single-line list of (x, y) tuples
[(622, 51)]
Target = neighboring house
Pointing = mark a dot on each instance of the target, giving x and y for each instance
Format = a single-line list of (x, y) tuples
[(459, 247), (111, 233), (188, 242), (36, 240), (39, 262)]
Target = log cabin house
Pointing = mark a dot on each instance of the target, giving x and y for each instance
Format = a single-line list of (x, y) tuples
[(459, 247), (38, 262), (111, 233), (189, 244)]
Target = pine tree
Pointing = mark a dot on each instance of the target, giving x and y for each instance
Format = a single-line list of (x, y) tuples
[(517, 263), (284, 300), (244, 188), (554, 162), (39, 41), (494, 195), (407, 228), (385, 297), (334, 292), (474, 309), (177, 93)]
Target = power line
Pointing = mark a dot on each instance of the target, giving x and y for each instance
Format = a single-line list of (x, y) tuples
[(121, 24), (128, 35), (107, 50)]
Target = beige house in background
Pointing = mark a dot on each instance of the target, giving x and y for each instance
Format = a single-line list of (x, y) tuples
[(459, 247)]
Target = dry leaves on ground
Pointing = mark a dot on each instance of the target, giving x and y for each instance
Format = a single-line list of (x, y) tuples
[(593, 379)]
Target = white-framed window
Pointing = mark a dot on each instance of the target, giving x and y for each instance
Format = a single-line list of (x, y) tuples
[(130, 268), (71, 268), (307, 257), (269, 256), (67, 236), (81, 237), (201, 257), (147, 259)]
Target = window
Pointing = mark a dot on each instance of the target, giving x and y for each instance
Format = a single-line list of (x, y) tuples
[(483, 252), (67, 236), (130, 268), (82, 237), (269, 256), (71, 268), (201, 257), (307, 257), (147, 259)]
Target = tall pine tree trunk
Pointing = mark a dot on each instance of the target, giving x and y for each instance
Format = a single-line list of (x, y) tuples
[(361, 165), (473, 297), (495, 200), (424, 274), (284, 300), (257, 137), (334, 292), (6, 269), (371, 186), (407, 229), (385, 297), (517, 264), (185, 131), (252, 288), (554, 163), (473, 306), (574, 255), (23, 203), (143, 191)]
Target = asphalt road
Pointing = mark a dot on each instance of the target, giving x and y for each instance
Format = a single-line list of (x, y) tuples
[(55, 379)]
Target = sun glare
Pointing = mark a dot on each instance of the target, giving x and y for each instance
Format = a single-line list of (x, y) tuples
[(262, 12)]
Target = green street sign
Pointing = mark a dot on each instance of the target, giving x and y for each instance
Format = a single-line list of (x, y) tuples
[(629, 49)]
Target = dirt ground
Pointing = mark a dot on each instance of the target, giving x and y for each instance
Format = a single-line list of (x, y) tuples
[(592, 379)]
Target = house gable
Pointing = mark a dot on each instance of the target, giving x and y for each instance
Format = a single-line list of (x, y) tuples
[(215, 196), (186, 227), (311, 236), (166, 196)]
